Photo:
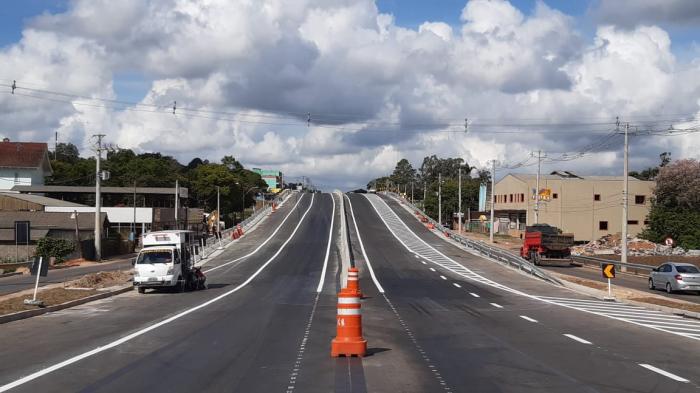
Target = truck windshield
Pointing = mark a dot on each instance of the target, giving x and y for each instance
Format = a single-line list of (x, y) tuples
[(155, 257)]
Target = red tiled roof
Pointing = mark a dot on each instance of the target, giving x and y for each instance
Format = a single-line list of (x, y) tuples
[(22, 154)]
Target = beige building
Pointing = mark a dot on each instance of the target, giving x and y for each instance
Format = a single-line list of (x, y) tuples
[(587, 206)]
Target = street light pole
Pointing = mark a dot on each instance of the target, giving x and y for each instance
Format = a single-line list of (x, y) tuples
[(625, 197), (459, 202), (98, 201), (493, 198), (440, 199)]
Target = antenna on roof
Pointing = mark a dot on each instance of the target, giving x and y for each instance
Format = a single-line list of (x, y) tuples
[(14, 86)]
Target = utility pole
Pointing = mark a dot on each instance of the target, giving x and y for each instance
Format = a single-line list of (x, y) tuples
[(218, 217), (625, 196), (493, 198), (55, 146), (459, 200), (133, 224), (98, 201), (177, 203), (411, 192), (537, 187), (440, 199)]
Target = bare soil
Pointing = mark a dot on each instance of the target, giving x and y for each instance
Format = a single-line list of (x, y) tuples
[(89, 284), (584, 282)]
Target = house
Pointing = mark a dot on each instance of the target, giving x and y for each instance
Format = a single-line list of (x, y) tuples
[(23, 164), (587, 206)]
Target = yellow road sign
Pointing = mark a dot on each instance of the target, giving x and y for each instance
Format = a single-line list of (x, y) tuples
[(608, 270)]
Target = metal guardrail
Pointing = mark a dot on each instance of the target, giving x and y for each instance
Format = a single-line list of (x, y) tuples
[(495, 253), (212, 242), (626, 266)]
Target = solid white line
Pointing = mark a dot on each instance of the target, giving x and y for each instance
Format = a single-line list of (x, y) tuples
[(579, 339), (525, 317), (261, 244), (443, 277), (664, 373), (496, 305), (362, 247), (328, 248), (432, 270), (457, 285), (141, 332), (474, 294)]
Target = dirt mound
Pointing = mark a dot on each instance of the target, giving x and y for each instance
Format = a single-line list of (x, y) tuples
[(101, 280)]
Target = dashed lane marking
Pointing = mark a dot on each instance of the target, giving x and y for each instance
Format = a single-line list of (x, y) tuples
[(664, 373), (496, 305), (474, 294), (443, 277), (579, 339), (141, 332), (432, 270), (619, 311), (525, 317), (457, 285), (293, 376)]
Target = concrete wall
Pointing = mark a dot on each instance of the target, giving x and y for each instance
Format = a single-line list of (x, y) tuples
[(573, 207)]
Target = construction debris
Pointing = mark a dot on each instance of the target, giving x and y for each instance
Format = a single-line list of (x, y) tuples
[(611, 245)]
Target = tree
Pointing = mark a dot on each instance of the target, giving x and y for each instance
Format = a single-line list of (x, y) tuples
[(67, 152), (51, 247), (675, 210), (651, 172), (403, 173)]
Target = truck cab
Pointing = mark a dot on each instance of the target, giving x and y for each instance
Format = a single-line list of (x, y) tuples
[(166, 260)]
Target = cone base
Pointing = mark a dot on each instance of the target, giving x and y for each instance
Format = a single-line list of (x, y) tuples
[(348, 347)]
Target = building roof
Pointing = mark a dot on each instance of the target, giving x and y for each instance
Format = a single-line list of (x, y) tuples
[(39, 200), (105, 190), (24, 155), (568, 176)]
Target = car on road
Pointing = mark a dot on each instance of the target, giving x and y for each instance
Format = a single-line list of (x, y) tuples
[(675, 276)]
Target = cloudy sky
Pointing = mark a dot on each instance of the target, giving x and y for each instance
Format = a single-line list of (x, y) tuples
[(339, 90)]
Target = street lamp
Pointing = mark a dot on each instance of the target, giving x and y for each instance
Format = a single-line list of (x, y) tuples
[(243, 194)]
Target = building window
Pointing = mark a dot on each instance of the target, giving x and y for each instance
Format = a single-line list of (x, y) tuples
[(639, 199), (596, 197), (603, 225), (646, 222), (510, 197), (522, 197), (555, 196), (16, 178), (632, 222)]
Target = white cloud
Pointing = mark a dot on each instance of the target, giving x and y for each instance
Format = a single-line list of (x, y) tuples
[(370, 85)]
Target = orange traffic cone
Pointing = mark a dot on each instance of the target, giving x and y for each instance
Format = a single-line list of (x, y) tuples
[(348, 341), (274, 207), (354, 281), (431, 225), (239, 230)]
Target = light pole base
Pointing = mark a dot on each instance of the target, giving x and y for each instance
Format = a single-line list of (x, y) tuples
[(31, 302), (609, 299)]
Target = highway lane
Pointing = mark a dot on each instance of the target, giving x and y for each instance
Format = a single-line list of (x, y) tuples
[(25, 281), (624, 280), (255, 332), (484, 344)]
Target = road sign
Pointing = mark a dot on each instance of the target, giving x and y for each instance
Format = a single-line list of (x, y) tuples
[(669, 241), (608, 270), (38, 266)]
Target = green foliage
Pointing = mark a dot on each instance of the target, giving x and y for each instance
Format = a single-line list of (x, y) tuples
[(652, 172), (50, 247), (675, 210)]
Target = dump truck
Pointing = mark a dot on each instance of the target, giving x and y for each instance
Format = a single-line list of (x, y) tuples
[(545, 244), (167, 260)]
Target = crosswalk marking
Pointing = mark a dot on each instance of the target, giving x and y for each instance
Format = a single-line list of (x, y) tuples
[(618, 311)]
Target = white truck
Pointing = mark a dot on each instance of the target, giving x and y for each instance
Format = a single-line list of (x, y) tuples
[(167, 260)]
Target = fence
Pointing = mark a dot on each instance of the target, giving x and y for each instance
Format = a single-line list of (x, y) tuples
[(494, 253)]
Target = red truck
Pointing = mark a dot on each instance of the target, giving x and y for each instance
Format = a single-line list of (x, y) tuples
[(546, 244)]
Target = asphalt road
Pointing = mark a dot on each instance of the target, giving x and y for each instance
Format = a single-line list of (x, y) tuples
[(25, 281), (624, 280), (485, 344), (263, 327)]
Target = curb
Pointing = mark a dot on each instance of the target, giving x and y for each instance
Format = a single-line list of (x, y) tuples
[(39, 311), (10, 274), (598, 294)]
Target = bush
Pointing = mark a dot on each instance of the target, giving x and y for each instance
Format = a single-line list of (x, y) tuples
[(50, 247)]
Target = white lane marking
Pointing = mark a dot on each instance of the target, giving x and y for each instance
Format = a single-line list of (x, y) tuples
[(443, 277), (457, 285), (141, 332), (261, 244), (525, 317), (496, 305), (417, 257), (293, 376), (579, 339), (328, 248), (474, 294), (432, 270), (421, 246), (362, 247), (424, 262), (664, 373)]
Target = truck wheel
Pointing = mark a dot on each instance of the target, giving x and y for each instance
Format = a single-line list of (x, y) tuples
[(537, 259), (141, 289), (180, 285)]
